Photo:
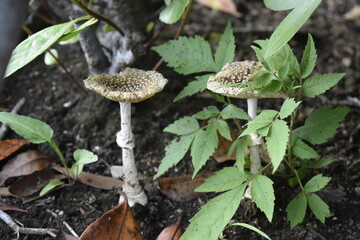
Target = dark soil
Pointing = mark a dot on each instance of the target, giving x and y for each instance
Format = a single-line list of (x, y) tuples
[(91, 122)]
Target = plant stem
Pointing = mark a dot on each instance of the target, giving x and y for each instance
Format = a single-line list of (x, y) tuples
[(254, 138), (55, 147), (125, 139)]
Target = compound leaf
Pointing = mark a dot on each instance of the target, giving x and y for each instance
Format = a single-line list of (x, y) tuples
[(296, 209), (231, 111), (318, 207), (210, 112), (225, 52), (316, 183), (262, 193), (308, 59), (302, 150), (288, 107), (317, 85), (183, 126), (222, 127), (265, 118), (193, 87)]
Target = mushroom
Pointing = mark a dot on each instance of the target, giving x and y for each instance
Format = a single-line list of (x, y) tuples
[(238, 72), (129, 86)]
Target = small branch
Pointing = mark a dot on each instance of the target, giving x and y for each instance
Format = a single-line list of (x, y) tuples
[(350, 101), (16, 109), (71, 230), (17, 229)]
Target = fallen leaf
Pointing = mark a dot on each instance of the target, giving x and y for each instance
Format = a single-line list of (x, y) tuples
[(226, 6), (4, 207), (24, 164), (9, 146), (4, 191), (32, 183), (116, 224), (221, 152), (172, 232), (182, 188), (353, 14), (64, 236)]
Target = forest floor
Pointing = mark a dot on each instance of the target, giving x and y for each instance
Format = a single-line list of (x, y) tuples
[(91, 122)]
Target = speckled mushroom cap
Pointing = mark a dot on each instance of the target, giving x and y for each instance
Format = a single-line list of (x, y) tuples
[(238, 72), (131, 85)]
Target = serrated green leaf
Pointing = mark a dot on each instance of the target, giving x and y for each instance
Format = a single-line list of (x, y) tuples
[(273, 87), (320, 163), (252, 228), (211, 220), (231, 111), (35, 45), (290, 25), (288, 107), (240, 145), (316, 183), (260, 56), (32, 129), (222, 127), (50, 186), (276, 142), (211, 111), (193, 87), (172, 13), (317, 85), (281, 5), (174, 153), (265, 118), (303, 151), (187, 55), (183, 126), (318, 207), (225, 179), (83, 156), (225, 52), (296, 209), (262, 193), (321, 124), (203, 147), (308, 59)]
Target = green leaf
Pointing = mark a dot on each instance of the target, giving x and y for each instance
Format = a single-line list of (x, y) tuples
[(240, 145), (320, 163), (33, 130), (321, 124), (316, 183), (35, 45), (276, 142), (211, 220), (222, 127), (318, 207), (317, 85), (308, 59), (173, 12), (296, 209), (83, 156), (262, 193), (288, 107), (252, 228), (233, 112), (225, 179), (203, 147), (78, 30), (187, 55), (225, 52), (265, 118), (183, 126), (290, 25), (281, 5), (50, 186), (303, 151), (49, 59), (273, 87), (174, 153), (193, 87), (211, 111)]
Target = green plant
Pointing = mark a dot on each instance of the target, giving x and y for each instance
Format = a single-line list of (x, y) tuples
[(36, 131), (290, 149)]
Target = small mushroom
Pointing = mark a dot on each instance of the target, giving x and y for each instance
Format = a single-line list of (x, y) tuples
[(238, 72), (129, 86)]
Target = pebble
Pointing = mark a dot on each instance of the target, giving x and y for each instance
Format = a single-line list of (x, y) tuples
[(357, 190)]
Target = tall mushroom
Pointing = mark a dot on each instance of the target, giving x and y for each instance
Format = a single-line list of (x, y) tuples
[(129, 86), (238, 72)]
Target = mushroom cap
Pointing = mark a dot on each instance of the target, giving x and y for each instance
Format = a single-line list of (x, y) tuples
[(131, 85), (238, 72)]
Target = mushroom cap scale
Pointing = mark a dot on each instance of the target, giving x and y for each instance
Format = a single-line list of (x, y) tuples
[(238, 72), (131, 85)]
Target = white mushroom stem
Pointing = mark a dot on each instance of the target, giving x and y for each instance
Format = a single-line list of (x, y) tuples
[(254, 137), (125, 139)]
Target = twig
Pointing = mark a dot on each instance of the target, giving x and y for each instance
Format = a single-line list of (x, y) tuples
[(350, 101), (71, 230), (38, 231), (16, 108)]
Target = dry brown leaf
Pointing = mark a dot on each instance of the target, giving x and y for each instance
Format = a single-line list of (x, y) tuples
[(4, 207), (353, 14), (221, 152), (64, 236), (172, 232), (226, 6), (33, 183), (116, 224), (4, 191), (182, 188), (24, 164), (9, 146)]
